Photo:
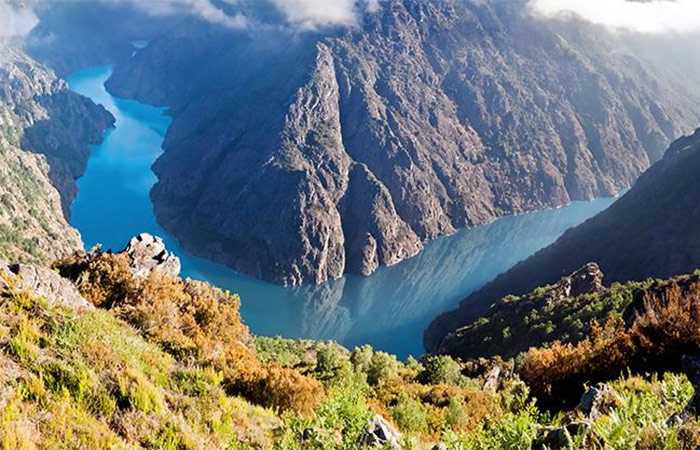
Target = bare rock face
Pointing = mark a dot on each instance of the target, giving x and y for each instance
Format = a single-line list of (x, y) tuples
[(42, 282), (427, 117), (586, 280), (148, 254), (379, 433)]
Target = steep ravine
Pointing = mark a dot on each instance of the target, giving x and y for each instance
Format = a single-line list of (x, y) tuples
[(45, 131), (299, 158)]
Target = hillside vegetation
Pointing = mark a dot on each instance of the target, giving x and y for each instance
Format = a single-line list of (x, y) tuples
[(651, 231), (44, 134), (158, 362)]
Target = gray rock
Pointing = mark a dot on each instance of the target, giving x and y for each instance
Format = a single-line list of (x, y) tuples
[(427, 117), (595, 401), (148, 253), (379, 432), (691, 367), (493, 379), (42, 282)]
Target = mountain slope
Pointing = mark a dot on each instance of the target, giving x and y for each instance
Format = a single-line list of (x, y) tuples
[(296, 158), (44, 134), (652, 231)]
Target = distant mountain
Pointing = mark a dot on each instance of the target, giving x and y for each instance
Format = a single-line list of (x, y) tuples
[(44, 134), (652, 231), (297, 157)]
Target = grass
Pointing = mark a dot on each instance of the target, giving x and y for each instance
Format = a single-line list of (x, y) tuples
[(168, 364)]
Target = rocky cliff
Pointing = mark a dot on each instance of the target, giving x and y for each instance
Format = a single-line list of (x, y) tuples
[(44, 134), (652, 231), (298, 157)]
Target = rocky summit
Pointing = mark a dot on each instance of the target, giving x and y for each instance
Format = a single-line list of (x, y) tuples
[(147, 253), (297, 157)]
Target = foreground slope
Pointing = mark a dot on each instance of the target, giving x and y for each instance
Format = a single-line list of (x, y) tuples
[(299, 157), (133, 357), (44, 134), (652, 231)]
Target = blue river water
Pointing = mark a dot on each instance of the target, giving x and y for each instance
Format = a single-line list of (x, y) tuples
[(388, 310)]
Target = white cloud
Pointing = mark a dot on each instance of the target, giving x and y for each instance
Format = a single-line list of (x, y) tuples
[(312, 14), (204, 9), (650, 17), (16, 19)]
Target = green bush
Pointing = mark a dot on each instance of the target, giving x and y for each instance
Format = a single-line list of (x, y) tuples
[(441, 370), (410, 414), (382, 366)]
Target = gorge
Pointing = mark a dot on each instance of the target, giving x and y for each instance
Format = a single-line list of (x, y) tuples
[(389, 309)]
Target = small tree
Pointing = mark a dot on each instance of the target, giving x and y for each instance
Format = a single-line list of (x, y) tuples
[(441, 370), (382, 367)]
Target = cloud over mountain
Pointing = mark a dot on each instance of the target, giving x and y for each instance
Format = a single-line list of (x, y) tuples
[(649, 17)]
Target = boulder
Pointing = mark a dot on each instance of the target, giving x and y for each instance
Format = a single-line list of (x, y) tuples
[(41, 282), (148, 254), (493, 379), (595, 401), (586, 280), (379, 433)]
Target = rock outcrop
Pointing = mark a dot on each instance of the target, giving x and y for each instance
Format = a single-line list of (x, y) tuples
[(379, 433), (148, 254), (651, 232), (503, 327), (45, 131), (41, 282), (427, 117), (597, 400)]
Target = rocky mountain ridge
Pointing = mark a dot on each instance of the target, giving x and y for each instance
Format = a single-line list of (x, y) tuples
[(651, 232), (430, 117), (45, 131)]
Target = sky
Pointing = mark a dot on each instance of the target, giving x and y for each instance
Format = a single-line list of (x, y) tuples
[(649, 17), (17, 20), (646, 17)]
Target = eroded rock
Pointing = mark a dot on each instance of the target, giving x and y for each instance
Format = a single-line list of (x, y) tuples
[(148, 253), (596, 401), (379, 432), (42, 282)]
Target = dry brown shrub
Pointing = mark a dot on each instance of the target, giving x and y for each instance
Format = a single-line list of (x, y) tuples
[(666, 326), (557, 374), (104, 279), (281, 388), (193, 321)]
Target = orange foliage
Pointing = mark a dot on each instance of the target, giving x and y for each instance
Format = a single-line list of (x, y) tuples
[(194, 322), (662, 326), (556, 374)]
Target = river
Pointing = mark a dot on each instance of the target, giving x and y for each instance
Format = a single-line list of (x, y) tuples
[(388, 310)]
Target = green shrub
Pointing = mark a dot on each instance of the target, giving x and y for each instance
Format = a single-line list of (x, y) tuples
[(381, 367), (441, 369), (361, 358), (455, 416), (410, 414)]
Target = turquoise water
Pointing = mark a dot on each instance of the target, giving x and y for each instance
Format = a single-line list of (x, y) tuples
[(388, 310)]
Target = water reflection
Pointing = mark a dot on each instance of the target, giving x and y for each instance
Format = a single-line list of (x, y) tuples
[(388, 310)]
